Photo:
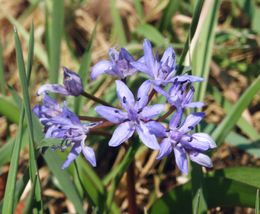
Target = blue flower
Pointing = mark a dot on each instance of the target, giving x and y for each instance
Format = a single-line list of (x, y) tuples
[(63, 124), (118, 66), (72, 85), (179, 140), (180, 95), (161, 71), (135, 118)]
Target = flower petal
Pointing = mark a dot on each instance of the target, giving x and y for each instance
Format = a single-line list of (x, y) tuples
[(194, 105), (165, 148), (169, 57), (54, 88), (146, 137), (176, 119), (124, 94), (205, 139), (113, 115), (181, 159), (124, 54), (158, 89), (100, 68), (201, 159), (89, 154), (191, 121), (149, 112), (122, 133), (156, 128), (148, 54), (141, 67), (183, 78), (142, 94), (74, 153)]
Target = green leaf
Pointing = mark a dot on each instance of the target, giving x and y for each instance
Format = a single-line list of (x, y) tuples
[(151, 33), (8, 205), (39, 51), (84, 69), (168, 13), (25, 90), (139, 10), (257, 202), (9, 109), (193, 27), (202, 53), (54, 163), (30, 53), (56, 31), (218, 191), (232, 117), (118, 28), (2, 73), (48, 142)]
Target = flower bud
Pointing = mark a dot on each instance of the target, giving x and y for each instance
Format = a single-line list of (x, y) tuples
[(72, 82)]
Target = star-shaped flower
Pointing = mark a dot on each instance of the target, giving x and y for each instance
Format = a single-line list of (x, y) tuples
[(135, 118), (63, 124), (161, 71), (72, 85), (179, 140), (118, 66)]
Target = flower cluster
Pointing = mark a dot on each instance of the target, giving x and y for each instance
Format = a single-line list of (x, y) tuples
[(136, 115)]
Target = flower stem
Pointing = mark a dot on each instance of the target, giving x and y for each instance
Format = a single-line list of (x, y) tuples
[(92, 119), (100, 101), (163, 117), (153, 92), (131, 195)]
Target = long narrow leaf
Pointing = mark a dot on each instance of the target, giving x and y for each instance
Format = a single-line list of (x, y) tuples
[(8, 205), (56, 31), (231, 119), (25, 88), (2, 73)]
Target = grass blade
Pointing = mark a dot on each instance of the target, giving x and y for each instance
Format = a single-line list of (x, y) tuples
[(203, 46), (56, 31), (84, 68), (9, 109), (232, 117), (118, 28), (193, 28), (25, 92), (54, 164), (257, 202), (2, 73), (8, 205), (30, 53)]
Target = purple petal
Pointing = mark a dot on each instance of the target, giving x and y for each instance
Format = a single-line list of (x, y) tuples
[(146, 137), (141, 67), (191, 121), (148, 54), (158, 89), (156, 128), (122, 133), (113, 54), (201, 159), (74, 153), (124, 54), (113, 115), (72, 82), (205, 139), (66, 113), (143, 94), (183, 78), (100, 68), (149, 112), (181, 159), (89, 154), (176, 119), (169, 57), (124, 94), (54, 88), (165, 148), (194, 105)]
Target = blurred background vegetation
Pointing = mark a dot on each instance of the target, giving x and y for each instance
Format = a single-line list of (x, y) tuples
[(78, 33)]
